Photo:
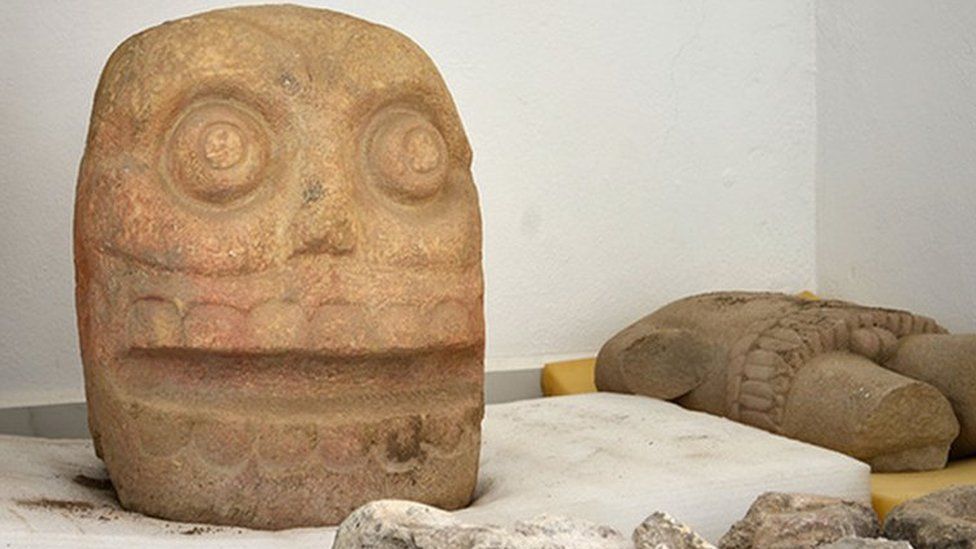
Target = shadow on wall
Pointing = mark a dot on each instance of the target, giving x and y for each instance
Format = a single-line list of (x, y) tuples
[(52, 421)]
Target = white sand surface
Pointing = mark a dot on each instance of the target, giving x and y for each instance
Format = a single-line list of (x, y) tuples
[(609, 458)]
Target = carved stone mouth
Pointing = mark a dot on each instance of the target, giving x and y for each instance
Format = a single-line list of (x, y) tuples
[(319, 468), (292, 384), (300, 431), (157, 324)]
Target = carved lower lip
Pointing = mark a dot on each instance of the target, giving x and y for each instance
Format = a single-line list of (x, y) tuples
[(275, 408), (227, 444), (298, 384), (156, 324)]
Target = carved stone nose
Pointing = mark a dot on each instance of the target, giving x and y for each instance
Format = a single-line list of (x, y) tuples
[(324, 223)]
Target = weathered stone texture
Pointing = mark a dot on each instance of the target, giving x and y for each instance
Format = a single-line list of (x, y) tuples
[(407, 525), (797, 521), (942, 520), (662, 531), (278, 259), (869, 382), (866, 543)]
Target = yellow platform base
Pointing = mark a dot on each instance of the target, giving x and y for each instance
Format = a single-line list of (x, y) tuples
[(570, 377), (887, 489), (891, 489)]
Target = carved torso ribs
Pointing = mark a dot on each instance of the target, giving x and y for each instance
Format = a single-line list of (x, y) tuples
[(763, 363)]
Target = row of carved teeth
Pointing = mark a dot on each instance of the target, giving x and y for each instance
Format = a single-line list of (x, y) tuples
[(155, 323)]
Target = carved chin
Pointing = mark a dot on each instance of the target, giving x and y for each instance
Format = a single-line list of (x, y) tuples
[(266, 469), (203, 436)]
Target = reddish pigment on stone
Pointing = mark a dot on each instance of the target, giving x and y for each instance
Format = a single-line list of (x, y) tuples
[(279, 284)]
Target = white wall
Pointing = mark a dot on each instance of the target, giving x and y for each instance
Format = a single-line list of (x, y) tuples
[(896, 170), (627, 153)]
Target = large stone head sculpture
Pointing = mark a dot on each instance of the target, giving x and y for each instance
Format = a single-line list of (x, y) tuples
[(278, 254)]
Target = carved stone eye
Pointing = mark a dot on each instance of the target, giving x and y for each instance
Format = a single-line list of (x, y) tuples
[(407, 155), (217, 153)]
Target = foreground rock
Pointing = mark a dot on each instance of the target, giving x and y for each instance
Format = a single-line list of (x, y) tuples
[(394, 524), (866, 543), (662, 531), (780, 521), (943, 519)]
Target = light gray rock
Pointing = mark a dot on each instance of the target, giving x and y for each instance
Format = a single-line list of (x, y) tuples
[(795, 521), (556, 531), (395, 524), (662, 531), (866, 543), (943, 519)]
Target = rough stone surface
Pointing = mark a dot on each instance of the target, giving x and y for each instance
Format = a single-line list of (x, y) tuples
[(948, 363), (782, 521), (393, 524), (941, 520), (278, 263), (866, 543), (810, 370), (662, 531), (403, 524)]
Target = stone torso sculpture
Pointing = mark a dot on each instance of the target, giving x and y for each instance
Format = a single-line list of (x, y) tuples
[(866, 381), (278, 260)]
